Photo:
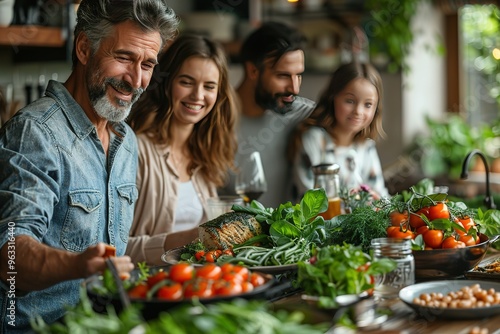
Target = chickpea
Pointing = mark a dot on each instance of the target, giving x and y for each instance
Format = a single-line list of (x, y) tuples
[(467, 297)]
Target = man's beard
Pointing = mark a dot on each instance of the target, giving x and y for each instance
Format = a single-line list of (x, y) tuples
[(272, 102), (104, 107)]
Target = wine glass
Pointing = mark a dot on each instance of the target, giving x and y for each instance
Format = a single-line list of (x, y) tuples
[(250, 181)]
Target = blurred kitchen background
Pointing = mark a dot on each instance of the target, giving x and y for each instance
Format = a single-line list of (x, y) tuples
[(439, 60)]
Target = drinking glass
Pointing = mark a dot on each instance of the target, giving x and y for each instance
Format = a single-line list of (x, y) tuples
[(250, 180)]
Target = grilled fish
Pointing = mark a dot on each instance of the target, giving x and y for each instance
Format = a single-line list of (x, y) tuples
[(228, 229)]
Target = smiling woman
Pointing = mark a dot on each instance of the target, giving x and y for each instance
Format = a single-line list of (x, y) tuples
[(185, 126)]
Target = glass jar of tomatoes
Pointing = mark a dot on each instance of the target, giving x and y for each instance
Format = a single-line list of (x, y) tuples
[(387, 285)]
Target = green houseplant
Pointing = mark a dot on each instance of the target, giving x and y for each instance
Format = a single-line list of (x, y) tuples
[(388, 28), (449, 141)]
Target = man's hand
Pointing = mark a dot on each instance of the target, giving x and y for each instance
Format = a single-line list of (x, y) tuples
[(93, 261)]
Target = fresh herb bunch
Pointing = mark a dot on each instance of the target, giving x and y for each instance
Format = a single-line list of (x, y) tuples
[(339, 270), (359, 227)]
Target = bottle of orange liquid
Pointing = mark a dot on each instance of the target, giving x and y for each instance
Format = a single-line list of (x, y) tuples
[(326, 176)]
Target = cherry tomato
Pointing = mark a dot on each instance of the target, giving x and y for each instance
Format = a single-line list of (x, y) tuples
[(199, 255), (246, 286), (433, 238), (209, 271), (397, 218), (242, 271), (438, 211), (364, 267), (227, 267), (467, 223), (451, 242), (468, 239), (211, 256), (228, 252), (159, 276), (257, 279), (228, 288), (458, 231), (109, 251), (390, 230), (198, 287), (170, 292), (138, 291), (422, 229), (181, 272), (401, 234), (415, 220)]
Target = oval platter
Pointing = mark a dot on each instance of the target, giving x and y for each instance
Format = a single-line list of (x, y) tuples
[(173, 256)]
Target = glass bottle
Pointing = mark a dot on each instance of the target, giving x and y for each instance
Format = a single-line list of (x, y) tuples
[(326, 176), (387, 285)]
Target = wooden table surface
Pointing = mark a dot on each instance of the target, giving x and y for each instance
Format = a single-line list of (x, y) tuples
[(400, 318)]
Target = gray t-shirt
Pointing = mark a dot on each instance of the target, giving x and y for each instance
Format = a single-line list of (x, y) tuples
[(269, 134)]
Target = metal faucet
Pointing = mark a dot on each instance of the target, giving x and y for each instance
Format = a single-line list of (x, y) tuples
[(488, 200)]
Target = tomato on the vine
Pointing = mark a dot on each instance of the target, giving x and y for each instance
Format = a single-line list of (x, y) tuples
[(181, 272), (228, 288), (391, 230), (422, 229), (171, 291), (438, 211), (397, 218), (467, 223), (468, 239), (402, 234), (433, 238), (451, 242), (415, 220)]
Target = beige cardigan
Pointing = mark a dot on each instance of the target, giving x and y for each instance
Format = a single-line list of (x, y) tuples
[(157, 181)]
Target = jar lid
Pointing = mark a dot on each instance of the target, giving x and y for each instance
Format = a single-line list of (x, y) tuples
[(326, 169)]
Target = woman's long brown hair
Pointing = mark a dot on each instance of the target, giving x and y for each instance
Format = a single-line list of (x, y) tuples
[(324, 113), (213, 142)]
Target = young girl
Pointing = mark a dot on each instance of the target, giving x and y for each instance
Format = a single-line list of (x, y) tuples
[(185, 129), (342, 130)]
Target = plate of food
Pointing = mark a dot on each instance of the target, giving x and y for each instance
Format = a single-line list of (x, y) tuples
[(488, 269), (160, 288), (453, 299), (175, 255)]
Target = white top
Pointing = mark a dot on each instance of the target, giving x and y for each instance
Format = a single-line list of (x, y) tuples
[(359, 163), (189, 211)]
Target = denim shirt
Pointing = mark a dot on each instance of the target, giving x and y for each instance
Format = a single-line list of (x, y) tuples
[(58, 186)]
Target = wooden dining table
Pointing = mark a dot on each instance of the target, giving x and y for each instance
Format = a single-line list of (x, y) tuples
[(397, 317), (392, 316)]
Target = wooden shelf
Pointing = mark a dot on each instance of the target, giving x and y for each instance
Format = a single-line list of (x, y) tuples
[(31, 36)]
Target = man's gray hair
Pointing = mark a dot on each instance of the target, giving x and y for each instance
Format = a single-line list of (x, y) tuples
[(96, 18)]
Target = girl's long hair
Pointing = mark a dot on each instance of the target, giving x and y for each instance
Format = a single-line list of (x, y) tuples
[(324, 113), (213, 142)]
